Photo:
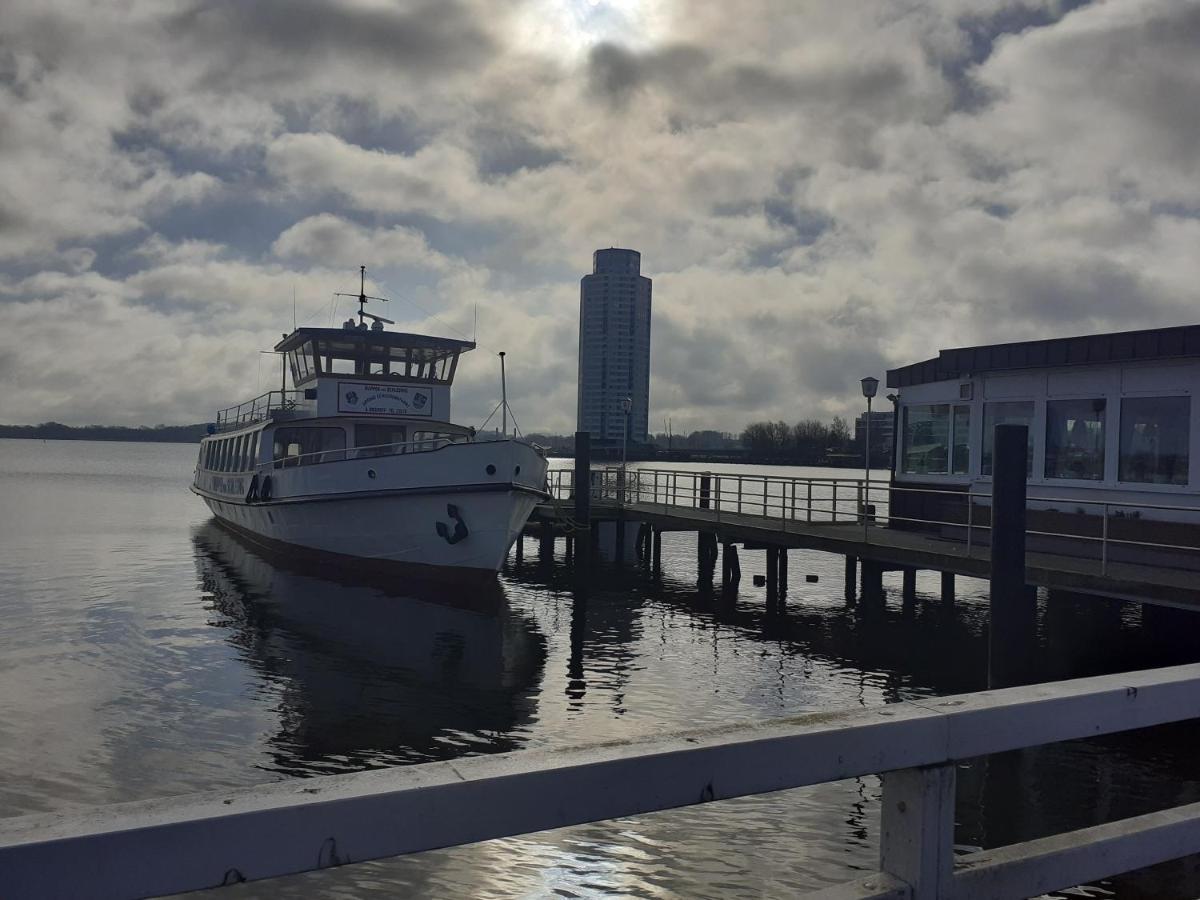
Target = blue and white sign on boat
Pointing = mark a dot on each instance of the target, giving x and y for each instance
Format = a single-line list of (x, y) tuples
[(383, 399)]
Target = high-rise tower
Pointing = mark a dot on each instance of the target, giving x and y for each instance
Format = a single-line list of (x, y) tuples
[(614, 347)]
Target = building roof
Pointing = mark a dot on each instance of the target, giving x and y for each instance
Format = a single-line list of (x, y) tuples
[(1088, 350)]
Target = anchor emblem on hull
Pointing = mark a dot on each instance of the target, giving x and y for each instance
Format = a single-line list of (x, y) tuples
[(460, 526)]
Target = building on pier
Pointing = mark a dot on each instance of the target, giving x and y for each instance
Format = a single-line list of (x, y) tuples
[(614, 348), (1111, 417)]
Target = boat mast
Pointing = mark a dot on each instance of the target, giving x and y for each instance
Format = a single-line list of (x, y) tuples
[(362, 298), (503, 398)]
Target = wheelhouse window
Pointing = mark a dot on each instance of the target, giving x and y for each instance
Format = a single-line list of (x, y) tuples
[(1075, 439), (307, 446), (379, 440), (1155, 440), (1009, 412), (925, 450)]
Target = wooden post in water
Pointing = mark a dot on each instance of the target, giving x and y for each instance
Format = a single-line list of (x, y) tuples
[(772, 577), (706, 558), (1012, 609), (583, 502), (731, 569), (783, 574), (948, 588), (872, 584), (851, 577), (909, 590), (656, 551)]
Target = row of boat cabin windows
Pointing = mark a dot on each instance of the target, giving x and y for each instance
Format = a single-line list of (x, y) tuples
[(328, 357), (308, 446), (1154, 439)]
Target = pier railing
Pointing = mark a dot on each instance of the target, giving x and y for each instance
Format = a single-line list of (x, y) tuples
[(187, 843), (1095, 529)]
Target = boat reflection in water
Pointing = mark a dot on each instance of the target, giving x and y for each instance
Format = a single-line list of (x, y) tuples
[(368, 676)]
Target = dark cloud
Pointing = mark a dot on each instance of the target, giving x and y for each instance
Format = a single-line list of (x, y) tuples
[(282, 38)]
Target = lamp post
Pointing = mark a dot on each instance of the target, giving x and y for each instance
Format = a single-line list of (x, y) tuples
[(627, 403), (869, 387)]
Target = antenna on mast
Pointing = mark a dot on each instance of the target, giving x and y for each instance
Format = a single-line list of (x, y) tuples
[(362, 298)]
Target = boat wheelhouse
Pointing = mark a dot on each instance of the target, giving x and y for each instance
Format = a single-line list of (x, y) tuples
[(1114, 436), (360, 460)]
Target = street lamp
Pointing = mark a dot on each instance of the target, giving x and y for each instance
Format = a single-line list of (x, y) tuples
[(626, 406), (869, 387)]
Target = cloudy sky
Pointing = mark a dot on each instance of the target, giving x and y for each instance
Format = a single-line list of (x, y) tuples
[(819, 188)]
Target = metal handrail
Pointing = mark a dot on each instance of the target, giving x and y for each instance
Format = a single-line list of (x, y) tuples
[(256, 410), (777, 499)]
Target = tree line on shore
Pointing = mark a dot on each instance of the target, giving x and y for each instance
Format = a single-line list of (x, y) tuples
[(56, 431), (808, 442)]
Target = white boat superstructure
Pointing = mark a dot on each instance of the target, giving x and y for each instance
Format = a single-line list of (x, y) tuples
[(360, 460)]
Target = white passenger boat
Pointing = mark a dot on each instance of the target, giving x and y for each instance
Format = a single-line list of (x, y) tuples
[(360, 462)]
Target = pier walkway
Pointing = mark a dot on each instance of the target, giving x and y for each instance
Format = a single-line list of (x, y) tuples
[(834, 516)]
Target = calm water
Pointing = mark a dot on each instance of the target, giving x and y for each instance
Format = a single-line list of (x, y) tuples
[(145, 652)]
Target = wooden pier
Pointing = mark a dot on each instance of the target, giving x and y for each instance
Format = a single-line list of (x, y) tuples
[(833, 516)]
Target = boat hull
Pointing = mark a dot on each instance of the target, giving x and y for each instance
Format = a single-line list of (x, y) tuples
[(376, 532)]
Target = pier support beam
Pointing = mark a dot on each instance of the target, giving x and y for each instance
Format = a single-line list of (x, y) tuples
[(582, 482), (909, 592), (872, 584), (772, 577), (731, 568), (520, 548), (656, 552), (948, 588), (851, 578), (545, 546), (1013, 607), (706, 558), (917, 829), (783, 575)]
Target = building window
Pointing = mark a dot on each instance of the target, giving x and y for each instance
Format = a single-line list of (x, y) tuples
[(1075, 439), (961, 457), (1154, 440), (926, 439), (1019, 412)]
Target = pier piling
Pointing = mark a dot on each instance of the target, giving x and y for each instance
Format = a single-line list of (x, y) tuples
[(731, 568), (1012, 605), (909, 589), (851, 578), (872, 584), (772, 577), (948, 588), (582, 483)]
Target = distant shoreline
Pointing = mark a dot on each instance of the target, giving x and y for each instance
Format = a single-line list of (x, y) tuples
[(54, 431)]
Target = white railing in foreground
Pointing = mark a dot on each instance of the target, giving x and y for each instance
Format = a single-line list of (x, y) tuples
[(855, 501), (185, 843)]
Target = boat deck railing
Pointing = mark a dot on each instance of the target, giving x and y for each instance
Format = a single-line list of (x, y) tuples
[(1096, 527), (259, 409), (372, 451)]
